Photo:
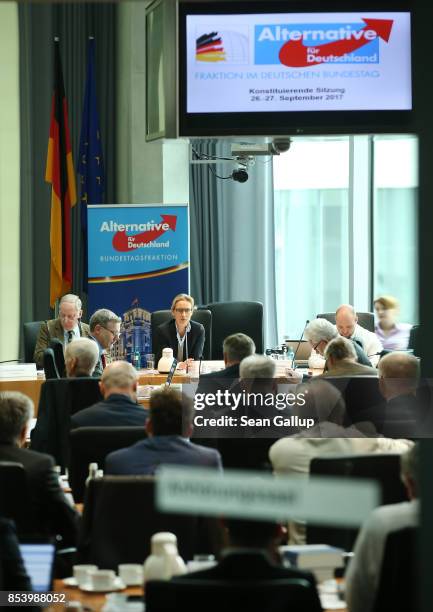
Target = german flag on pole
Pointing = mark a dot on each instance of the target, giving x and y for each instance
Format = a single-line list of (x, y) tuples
[(60, 173)]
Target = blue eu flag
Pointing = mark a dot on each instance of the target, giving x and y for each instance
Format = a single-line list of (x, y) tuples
[(90, 162)]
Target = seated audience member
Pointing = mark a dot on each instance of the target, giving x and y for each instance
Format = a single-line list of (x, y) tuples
[(50, 511), (346, 321), (81, 357), (235, 348), (13, 575), (393, 335), (184, 336), (398, 381), (119, 407), (104, 330), (293, 455), (340, 358), (363, 573), (251, 554), (320, 332), (65, 328), (169, 427)]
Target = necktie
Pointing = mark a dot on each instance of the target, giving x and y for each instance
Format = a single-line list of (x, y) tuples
[(70, 336)]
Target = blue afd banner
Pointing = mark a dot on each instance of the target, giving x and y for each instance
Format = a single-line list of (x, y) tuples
[(138, 260)]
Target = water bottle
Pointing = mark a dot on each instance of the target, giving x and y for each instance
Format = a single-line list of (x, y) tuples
[(93, 470), (291, 356), (136, 359)]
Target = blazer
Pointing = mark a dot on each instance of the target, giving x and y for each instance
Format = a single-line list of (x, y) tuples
[(349, 368), (49, 330), (50, 511), (165, 337), (116, 411), (223, 379), (147, 455)]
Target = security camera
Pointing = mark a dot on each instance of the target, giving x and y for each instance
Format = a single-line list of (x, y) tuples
[(281, 145), (240, 175)]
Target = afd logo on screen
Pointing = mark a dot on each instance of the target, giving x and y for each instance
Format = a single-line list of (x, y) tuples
[(132, 236), (230, 46), (306, 45)]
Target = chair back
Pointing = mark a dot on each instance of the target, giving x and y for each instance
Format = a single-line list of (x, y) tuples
[(365, 319), (120, 517), (50, 367), (383, 468), (397, 588), (14, 495), (92, 445), (195, 595), (414, 340), (58, 401), (59, 356), (361, 395), (30, 335), (236, 317), (157, 318)]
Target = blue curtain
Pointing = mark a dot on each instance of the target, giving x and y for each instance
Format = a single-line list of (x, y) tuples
[(232, 233)]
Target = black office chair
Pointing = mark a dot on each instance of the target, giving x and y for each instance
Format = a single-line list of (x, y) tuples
[(397, 588), (384, 468), (365, 319), (30, 334), (59, 400), (414, 340), (59, 356), (92, 445), (233, 317), (120, 517), (195, 595), (50, 367), (202, 316)]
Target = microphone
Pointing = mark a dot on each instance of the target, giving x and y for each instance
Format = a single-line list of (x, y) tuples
[(199, 365), (299, 343), (12, 361)]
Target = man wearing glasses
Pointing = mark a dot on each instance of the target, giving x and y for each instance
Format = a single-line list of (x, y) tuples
[(104, 330), (65, 328), (184, 336)]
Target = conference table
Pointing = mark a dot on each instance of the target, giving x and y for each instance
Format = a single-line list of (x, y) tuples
[(96, 601), (32, 386)]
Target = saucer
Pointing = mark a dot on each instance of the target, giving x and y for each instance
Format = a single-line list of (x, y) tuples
[(70, 582), (118, 585)]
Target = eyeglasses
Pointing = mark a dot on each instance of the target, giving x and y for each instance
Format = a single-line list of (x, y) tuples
[(316, 345), (65, 317), (183, 310), (115, 333)]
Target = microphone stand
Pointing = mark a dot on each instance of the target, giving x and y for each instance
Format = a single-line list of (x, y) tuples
[(299, 343)]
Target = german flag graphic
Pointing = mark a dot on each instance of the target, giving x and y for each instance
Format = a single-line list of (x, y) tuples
[(209, 48), (60, 173)]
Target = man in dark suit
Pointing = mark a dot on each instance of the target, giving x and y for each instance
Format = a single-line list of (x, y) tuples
[(49, 510), (184, 336), (65, 328), (235, 348), (104, 330), (252, 554), (119, 407), (169, 428)]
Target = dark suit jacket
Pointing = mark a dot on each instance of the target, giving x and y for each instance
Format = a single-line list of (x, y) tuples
[(49, 330), (247, 564), (116, 411), (147, 455), (13, 575), (224, 379), (165, 337), (50, 511)]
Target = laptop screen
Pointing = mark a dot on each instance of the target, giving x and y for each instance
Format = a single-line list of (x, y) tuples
[(38, 561), (171, 373)]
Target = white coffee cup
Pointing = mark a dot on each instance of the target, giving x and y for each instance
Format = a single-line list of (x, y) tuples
[(101, 579), (82, 573), (131, 573)]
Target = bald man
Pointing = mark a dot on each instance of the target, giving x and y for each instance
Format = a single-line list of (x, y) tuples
[(346, 321), (398, 381), (119, 407)]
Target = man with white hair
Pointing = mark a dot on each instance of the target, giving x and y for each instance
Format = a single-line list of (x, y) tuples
[(320, 332), (346, 321), (119, 407), (340, 355), (65, 328), (81, 356)]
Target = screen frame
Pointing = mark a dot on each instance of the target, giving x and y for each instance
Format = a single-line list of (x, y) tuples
[(289, 123)]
